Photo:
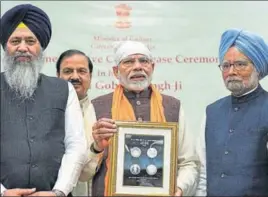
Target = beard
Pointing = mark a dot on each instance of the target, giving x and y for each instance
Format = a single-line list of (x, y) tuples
[(236, 85), (22, 76), (135, 85)]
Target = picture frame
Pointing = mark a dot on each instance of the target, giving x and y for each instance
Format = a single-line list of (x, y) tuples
[(143, 159)]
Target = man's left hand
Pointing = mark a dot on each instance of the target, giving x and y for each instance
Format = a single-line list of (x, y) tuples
[(178, 192), (44, 193)]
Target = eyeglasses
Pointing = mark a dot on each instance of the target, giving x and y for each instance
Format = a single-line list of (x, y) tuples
[(144, 61), (238, 65)]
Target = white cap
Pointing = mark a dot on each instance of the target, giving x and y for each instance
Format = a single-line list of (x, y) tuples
[(126, 48)]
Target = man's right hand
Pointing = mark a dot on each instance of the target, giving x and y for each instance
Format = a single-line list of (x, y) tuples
[(103, 130), (18, 192)]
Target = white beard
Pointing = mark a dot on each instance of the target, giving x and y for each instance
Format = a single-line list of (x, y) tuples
[(238, 87), (135, 86), (22, 77)]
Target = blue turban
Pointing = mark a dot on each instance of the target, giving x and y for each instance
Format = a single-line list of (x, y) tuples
[(250, 44), (33, 17)]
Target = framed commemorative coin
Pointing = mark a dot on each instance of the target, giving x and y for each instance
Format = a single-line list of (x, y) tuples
[(143, 159)]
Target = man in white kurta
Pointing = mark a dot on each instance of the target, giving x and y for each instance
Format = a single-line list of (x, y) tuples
[(76, 67), (127, 53)]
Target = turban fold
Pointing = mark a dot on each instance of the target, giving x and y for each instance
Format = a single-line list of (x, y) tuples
[(126, 48), (33, 17), (251, 45)]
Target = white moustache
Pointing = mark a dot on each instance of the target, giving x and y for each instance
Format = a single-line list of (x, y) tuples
[(233, 79), (19, 54), (138, 74)]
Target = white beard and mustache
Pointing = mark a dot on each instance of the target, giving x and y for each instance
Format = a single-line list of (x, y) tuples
[(236, 85), (135, 85), (22, 77)]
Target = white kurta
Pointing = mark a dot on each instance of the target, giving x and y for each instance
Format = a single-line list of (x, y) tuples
[(83, 187), (75, 146)]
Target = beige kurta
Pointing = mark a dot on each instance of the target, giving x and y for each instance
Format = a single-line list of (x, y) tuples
[(83, 187), (188, 163)]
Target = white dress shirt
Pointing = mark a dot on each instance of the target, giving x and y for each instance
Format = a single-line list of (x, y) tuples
[(75, 156), (188, 163)]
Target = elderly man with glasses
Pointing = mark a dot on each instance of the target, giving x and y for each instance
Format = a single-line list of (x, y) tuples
[(136, 99), (233, 147)]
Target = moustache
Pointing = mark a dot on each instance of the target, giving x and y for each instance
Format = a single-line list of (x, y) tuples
[(141, 74), (18, 55), (230, 79), (75, 81)]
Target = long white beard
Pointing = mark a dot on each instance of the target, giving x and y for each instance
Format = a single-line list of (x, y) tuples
[(22, 77)]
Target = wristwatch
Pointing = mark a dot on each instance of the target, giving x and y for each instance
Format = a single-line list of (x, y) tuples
[(58, 192), (93, 149)]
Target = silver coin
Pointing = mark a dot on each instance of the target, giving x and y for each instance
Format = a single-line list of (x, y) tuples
[(135, 152), (151, 169), (135, 169), (152, 152)]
